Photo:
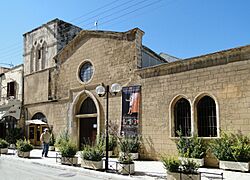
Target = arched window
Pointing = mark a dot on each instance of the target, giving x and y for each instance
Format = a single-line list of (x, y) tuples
[(182, 117), (43, 55), (40, 116), (88, 107), (32, 55), (206, 117), (38, 58)]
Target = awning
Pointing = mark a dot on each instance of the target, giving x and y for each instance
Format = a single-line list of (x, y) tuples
[(35, 121)]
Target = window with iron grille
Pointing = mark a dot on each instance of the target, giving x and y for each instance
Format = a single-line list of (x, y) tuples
[(182, 117), (206, 112), (11, 89), (86, 72)]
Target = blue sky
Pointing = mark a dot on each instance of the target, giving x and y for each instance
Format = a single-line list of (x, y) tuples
[(182, 28)]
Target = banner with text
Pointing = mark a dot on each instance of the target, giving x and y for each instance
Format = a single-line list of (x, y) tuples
[(130, 110)]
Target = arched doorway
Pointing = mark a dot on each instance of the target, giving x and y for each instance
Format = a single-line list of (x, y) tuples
[(7, 126), (36, 126), (87, 122)]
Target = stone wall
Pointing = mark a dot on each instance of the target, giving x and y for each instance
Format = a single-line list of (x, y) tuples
[(223, 76), (36, 87)]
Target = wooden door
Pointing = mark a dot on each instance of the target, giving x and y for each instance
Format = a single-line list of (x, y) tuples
[(88, 131), (32, 134)]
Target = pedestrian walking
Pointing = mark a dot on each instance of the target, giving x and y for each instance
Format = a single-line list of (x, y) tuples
[(45, 138)]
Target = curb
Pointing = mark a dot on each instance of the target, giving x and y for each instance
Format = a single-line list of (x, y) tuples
[(92, 173)]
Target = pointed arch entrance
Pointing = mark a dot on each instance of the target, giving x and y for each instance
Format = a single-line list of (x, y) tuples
[(87, 122), (83, 109)]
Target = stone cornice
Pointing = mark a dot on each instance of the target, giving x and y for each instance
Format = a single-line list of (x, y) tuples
[(209, 60)]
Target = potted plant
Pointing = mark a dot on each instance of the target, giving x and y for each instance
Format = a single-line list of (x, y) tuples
[(3, 146), (13, 135), (91, 157), (233, 151), (23, 148), (125, 164), (192, 148), (63, 137), (52, 142), (177, 169), (131, 145), (68, 151), (111, 144)]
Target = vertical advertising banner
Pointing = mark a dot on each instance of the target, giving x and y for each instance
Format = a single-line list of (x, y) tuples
[(130, 110)]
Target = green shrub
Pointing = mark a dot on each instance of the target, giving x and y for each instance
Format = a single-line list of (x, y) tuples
[(189, 167), (130, 144), (68, 149), (92, 153), (13, 135), (62, 138), (125, 158), (3, 143), (111, 144), (52, 140), (191, 147), (231, 147), (171, 164), (23, 145)]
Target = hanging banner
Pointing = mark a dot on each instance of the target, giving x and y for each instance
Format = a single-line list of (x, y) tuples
[(130, 110)]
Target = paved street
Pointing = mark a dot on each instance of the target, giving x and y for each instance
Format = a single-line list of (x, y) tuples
[(15, 170)]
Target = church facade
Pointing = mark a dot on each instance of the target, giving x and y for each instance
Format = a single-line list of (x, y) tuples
[(201, 95)]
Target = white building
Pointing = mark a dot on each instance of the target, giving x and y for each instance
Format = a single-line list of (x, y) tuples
[(11, 97)]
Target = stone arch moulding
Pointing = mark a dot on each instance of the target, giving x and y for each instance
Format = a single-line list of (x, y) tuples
[(171, 113), (72, 111), (194, 109)]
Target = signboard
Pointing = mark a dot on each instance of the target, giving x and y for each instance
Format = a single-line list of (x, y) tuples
[(131, 97)]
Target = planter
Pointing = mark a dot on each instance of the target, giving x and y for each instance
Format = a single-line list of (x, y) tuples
[(3, 150), (69, 160), (12, 146), (51, 148), (126, 168), (23, 154), (92, 164), (134, 156), (110, 153), (200, 162), (182, 176), (231, 165)]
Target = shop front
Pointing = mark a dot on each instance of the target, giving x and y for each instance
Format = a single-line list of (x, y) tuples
[(35, 128), (9, 117)]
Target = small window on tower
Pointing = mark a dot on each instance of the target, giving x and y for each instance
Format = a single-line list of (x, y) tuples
[(39, 54), (11, 90)]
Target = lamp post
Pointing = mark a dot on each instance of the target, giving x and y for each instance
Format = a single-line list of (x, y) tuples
[(101, 90)]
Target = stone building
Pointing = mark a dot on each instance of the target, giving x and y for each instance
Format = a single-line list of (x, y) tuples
[(40, 46), (11, 98), (200, 95)]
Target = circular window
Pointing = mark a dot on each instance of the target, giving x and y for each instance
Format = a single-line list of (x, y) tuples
[(86, 72)]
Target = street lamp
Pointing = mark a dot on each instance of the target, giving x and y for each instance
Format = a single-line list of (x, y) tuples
[(101, 90)]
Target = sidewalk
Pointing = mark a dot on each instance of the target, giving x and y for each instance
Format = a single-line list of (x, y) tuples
[(143, 169)]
